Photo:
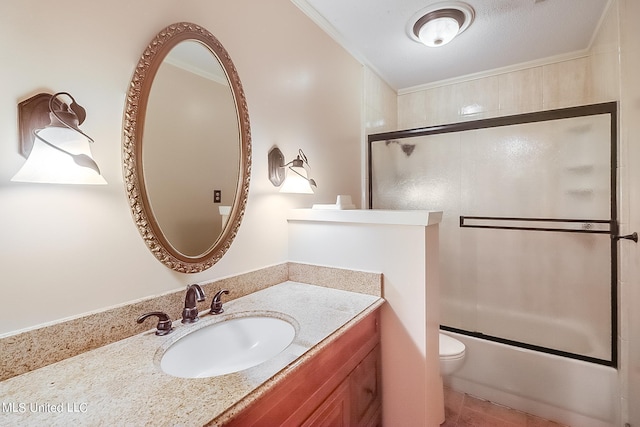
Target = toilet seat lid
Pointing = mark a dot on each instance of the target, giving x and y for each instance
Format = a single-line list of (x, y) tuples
[(450, 347)]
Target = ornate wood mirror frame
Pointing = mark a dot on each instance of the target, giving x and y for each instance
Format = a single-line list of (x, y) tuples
[(135, 111)]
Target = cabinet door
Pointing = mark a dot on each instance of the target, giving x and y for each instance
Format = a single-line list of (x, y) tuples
[(365, 390), (334, 412)]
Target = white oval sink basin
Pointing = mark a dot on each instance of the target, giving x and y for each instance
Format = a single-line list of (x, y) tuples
[(227, 347)]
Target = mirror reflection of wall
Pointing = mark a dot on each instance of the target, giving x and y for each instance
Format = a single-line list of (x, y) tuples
[(191, 137)]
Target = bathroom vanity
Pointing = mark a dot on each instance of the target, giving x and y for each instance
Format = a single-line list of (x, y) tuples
[(329, 371), (340, 385)]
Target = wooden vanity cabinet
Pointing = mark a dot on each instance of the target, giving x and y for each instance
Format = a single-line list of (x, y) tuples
[(339, 386), (356, 401), (365, 392), (334, 411)]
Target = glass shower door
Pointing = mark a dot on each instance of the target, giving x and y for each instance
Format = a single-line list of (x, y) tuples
[(526, 251)]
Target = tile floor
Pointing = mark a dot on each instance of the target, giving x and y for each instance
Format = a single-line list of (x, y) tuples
[(463, 410)]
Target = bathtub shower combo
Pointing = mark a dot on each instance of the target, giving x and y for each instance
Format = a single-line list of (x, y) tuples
[(528, 250)]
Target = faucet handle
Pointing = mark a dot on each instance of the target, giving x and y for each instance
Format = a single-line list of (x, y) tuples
[(216, 303), (164, 322)]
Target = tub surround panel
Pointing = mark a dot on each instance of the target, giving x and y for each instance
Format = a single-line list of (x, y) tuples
[(25, 351), (476, 98), (592, 78), (380, 104), (380, 111), (521, 91), (566, 84), (116, 384)]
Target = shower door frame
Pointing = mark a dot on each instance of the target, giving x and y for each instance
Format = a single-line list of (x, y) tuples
[(610, 108)]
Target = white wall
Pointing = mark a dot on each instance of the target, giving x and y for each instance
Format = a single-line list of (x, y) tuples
[(407, 255), (66, 250)]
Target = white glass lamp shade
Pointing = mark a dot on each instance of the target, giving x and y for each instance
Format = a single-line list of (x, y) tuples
[(438, 31), (440, 23), (46, 164), (296, 181)]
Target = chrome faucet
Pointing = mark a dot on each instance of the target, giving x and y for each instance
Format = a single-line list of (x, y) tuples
[(216, 303), (190, 311)]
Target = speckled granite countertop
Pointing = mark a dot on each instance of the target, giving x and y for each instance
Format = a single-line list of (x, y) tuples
[(122, 384)]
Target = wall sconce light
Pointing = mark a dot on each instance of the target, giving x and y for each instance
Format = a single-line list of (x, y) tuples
[(440, 23), (57, 151), (292, 176)]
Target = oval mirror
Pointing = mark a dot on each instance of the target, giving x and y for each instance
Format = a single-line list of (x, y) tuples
[(187, 148)]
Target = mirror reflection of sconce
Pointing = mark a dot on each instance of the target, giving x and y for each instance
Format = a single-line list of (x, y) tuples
[(57, 151), (293, 177)]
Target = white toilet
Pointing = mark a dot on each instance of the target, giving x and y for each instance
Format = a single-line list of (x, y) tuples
[(451, 354)]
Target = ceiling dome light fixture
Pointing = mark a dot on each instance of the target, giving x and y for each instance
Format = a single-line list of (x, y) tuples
[(440, 23)]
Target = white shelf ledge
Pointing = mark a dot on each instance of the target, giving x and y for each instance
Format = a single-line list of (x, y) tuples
[(368, 216)]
